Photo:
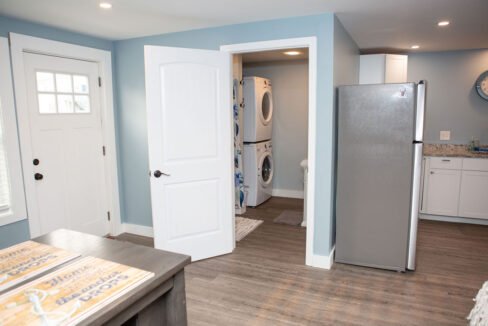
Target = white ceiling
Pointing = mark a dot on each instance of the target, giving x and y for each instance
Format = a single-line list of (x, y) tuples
[(394, 24), (275, 55)]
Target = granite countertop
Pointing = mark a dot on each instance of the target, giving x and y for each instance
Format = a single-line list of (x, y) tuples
[(450, 150)]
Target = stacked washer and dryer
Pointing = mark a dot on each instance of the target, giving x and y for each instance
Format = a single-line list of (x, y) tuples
[(257, 156)]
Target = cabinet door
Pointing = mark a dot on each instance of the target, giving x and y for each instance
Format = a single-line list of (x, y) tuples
[(372, 68), (396, 68), (474, 195), (442, 193)]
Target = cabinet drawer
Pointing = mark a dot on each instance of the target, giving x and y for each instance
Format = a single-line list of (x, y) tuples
[(475, 164), (450, 163)]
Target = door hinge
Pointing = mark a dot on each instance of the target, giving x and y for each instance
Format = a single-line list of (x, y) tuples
[(99, 81), (108, 215), (103, 151)]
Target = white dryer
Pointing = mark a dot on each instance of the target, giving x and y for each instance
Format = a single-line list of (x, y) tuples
[(258, 172), (258, 109)]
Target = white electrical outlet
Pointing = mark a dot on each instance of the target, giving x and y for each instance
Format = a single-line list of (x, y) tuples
[(445, 135)]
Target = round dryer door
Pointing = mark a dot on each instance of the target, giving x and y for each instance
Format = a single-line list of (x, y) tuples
[(266, 108), (266, 170)]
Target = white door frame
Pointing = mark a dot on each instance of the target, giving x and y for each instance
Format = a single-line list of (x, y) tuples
[(311, 44), (23, 43)]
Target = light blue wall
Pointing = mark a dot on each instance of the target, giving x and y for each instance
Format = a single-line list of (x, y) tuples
[(452, 101), (14, 233), (346, 72), (131, 113), (19, 231), (129, 69), (8, 25)]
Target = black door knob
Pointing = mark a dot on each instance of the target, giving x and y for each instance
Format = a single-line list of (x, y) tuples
[(35, 161), (158, 173), (38, 176)]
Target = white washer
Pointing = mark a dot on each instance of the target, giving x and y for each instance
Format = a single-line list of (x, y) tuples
[(258, 109), (258, 172)]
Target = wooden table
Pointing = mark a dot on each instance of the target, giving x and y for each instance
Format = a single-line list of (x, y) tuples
[(159, 301)]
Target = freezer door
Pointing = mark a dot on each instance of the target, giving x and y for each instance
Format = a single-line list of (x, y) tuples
[(374, 174)]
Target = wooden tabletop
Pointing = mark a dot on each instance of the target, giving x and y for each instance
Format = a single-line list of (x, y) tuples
[(163, 264)]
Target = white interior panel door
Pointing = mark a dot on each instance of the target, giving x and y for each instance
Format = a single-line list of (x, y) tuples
[(65, 174), (190, 150)]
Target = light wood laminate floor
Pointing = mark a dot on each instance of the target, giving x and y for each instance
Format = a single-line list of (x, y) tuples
[(265, 282)]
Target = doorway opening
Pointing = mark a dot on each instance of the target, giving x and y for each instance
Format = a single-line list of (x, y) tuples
[(274, 137)]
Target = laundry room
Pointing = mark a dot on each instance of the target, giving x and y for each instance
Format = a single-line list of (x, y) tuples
[(271, 138)]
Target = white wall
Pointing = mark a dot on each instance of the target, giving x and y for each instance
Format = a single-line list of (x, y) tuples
[(290, 119)]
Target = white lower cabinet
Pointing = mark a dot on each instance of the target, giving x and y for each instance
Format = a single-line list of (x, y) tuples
[(455, 187), (473, 201), (441, 196)]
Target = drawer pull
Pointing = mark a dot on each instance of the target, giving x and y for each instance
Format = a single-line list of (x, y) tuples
[(446, 160), (431, 172)]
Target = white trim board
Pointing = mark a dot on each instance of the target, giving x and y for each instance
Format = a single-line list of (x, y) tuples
[(324, 262), (298, 194), (17, 210), (311, 44), (453, 219), (142, 230), (23, 43)]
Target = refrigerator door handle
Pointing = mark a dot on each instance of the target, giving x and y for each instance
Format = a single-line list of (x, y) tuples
[(420, 111), (415, 206)]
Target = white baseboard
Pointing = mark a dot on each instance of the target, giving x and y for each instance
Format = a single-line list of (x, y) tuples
[(287, 193), (453, 219), (146, 231), (320, 261)]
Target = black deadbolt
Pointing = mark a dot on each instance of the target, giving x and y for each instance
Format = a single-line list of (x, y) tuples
[(35, 161), (38, 176)]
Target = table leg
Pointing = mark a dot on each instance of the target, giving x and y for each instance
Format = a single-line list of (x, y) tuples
[(169, 309), (176, 301)]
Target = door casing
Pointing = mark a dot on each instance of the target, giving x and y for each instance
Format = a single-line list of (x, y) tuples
[(23, 43)]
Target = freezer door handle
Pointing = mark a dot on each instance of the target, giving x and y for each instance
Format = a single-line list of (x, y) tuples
[(415, 207), (420, 111)]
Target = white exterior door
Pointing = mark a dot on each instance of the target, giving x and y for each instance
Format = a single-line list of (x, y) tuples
[(65, 178), (188, 95)]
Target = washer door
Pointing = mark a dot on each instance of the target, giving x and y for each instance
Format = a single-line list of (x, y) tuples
[(266, 108), (265, 174)]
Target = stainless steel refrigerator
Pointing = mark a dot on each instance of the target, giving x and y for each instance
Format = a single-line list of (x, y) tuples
[(379, 159)]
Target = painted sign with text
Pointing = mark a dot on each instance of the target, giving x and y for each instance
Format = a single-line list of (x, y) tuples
[(71, 294), (28, 259)]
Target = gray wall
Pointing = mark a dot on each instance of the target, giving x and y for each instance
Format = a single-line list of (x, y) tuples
[(19, 231), (452, 102), (290, 118), (346, 72)]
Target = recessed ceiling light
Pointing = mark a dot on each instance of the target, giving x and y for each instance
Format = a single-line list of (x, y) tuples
[(415, 46), (443, 23), (292, 53), (105, 5)]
